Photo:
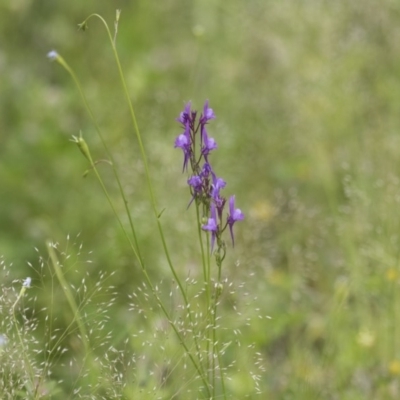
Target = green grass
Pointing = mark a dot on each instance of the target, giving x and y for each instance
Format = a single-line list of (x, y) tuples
[(306, 96)]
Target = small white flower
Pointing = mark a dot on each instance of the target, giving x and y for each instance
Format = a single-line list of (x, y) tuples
[(52, 55), (3, 340), (27, 282)]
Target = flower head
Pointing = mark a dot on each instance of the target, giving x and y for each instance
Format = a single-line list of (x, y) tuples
[(217, 185), (27, 282), (185, 115), (206, 170), (209, 144), (208, 114), (52, 55), (204, 184), (197, 184), (183, 141)]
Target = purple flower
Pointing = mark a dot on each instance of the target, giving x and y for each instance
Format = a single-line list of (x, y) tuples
[(212, 225), (205, 186), (206, 171), (234, 215), (197, 184), (184, 116), (183, 141), (220, 205), (208, 114), (209, 144), (217, 185)]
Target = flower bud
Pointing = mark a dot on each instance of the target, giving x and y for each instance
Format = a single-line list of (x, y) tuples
[(83, 147)]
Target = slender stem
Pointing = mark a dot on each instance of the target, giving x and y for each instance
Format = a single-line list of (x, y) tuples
[(200, 236), (216, 347), (208, 310), (24, 350), (179, 336), (135, 246), (68, 294), (197, 366), (148, 280), (109, 155), (144, 158), (93, 369), (149, 181)]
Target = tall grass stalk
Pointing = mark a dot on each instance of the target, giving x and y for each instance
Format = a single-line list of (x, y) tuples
[(75, 311), (30, 385), (207, 372)]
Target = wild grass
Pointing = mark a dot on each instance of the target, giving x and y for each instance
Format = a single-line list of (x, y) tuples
[(90, 360), (306, 96), (194, 320)]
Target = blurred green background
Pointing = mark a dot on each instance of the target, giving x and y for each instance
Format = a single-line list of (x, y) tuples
[(307, 99)]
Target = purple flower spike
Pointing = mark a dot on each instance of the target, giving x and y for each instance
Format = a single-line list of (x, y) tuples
[(212, 226), (234, 215), (205, 186)]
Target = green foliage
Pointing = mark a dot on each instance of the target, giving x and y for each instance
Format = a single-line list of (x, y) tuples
[(306, 95)]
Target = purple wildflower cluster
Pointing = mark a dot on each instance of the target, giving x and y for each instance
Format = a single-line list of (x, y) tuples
[(204, 184)]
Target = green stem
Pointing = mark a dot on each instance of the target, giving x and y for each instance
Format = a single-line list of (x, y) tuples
[(136, 248), (148, 177), (135, 245), (68, 294), (144, 157), (216, 347), (31, 374)]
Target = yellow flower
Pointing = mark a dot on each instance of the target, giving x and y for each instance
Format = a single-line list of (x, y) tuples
[(392, 274), (262, 210), (366, 338), (394, 367)]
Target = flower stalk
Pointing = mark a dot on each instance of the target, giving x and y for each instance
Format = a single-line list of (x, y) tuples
[(205, 189)]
